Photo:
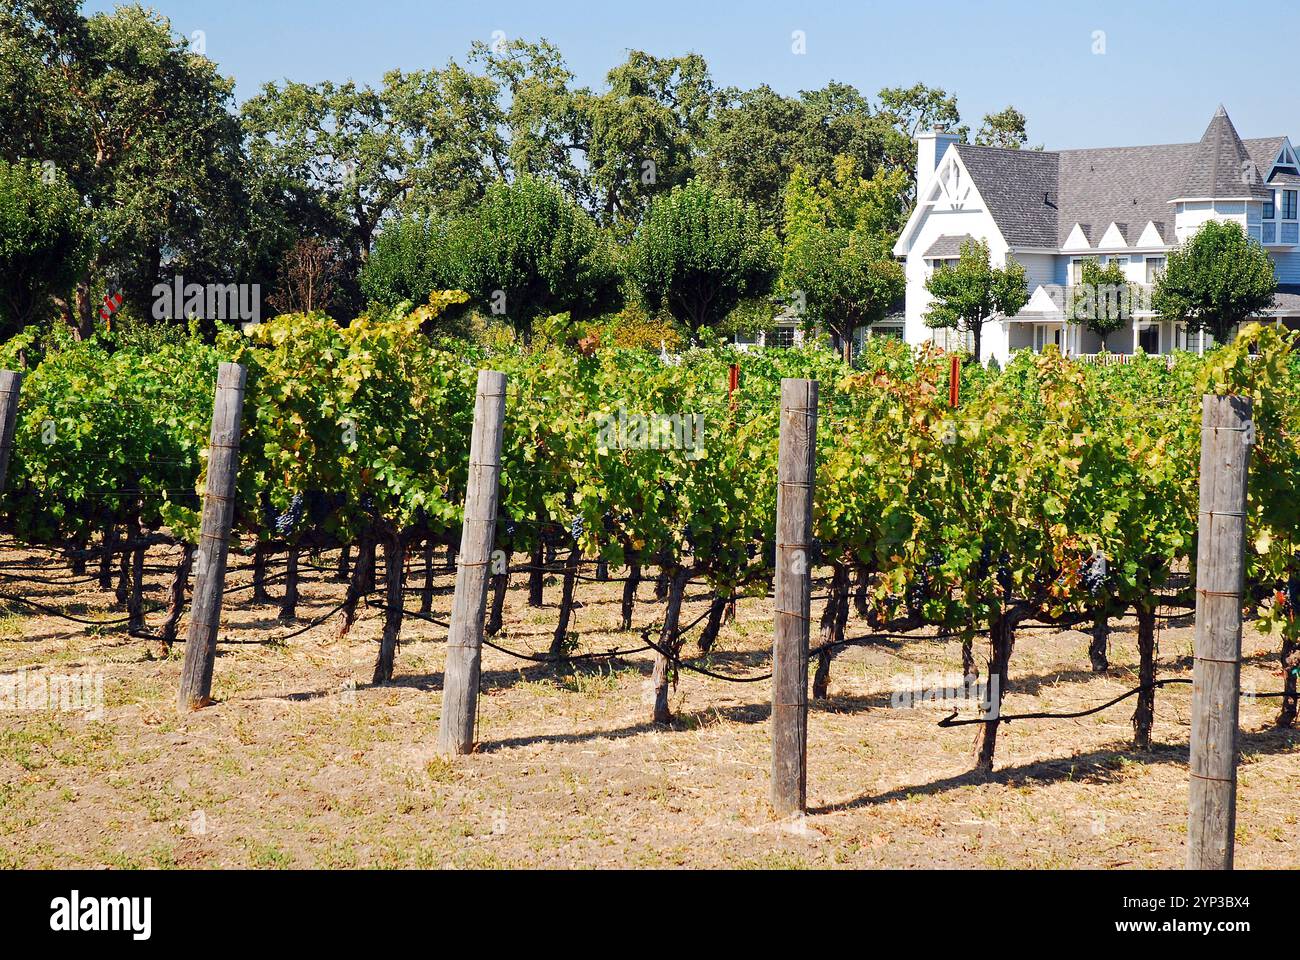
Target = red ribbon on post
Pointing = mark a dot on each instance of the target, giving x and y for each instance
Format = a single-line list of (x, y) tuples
[(954, 380), (733, 382)]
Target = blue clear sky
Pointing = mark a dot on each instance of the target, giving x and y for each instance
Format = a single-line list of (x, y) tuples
[(1165, 68)]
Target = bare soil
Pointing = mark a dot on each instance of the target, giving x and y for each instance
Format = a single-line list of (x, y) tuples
[(301, 762)]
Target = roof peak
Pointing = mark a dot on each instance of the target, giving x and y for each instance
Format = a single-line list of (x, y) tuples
[(1220, 164)]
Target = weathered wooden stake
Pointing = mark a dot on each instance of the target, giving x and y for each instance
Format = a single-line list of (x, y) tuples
[(10, 385), (214, 538), (465, 637), (1226, 438), (796, 468)]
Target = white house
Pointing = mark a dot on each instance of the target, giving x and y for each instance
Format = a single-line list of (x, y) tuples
[(1128, 205)]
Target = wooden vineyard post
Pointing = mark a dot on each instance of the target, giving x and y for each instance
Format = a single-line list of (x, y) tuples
[(1226, 439), (10, 385), (465, 636), (796, 467), (214, 538)]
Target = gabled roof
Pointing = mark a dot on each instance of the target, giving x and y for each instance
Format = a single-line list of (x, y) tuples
[(1019, 187), (947, 246), (1121, 185), (1037, 197)]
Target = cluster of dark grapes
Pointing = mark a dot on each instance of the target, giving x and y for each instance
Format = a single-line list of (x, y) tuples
[(509, 525), (1004, 573), (576, 527), (288, 521), (689, 536), (1092, 573)]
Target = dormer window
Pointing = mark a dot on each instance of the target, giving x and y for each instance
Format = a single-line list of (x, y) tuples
[(1270, 208), (1289, 204)]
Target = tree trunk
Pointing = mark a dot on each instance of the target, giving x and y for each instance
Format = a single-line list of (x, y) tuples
[(106, 558), (860, 593), (1145, 714), (566, 604), (968, 668), (602, 570), (345, 555), (834, 616), (84, 321), (536, 561), (289, 605), (356, 586), (260, 553), (451, 555), (368, 564), (176, 597), (135, 600), (709, 635), (1002, 639), (426, 591), (668, 642), (500, 584), (392, 609), (123, 576), (1100, 639), (1290, 661), (629, 593)]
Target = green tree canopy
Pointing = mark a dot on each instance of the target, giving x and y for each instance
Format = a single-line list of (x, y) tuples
[(142, 127), (757, 137), (524, 252), (698, 253), (837, 259), (43, 242), (971, 292), (1103, 300), (1215, 280), (1006, 128), (645, 130)]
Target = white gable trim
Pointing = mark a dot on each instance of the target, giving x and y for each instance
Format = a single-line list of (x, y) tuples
[(1112, 239), (1284, 151), (1076, 241), (1150, 236), (966, 196)]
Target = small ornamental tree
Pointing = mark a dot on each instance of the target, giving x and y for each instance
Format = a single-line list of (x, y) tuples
[(43, 242), (527, 251), (1103, 300), (971, 292), (698, 253), (404, 262), (1216, 280), (837, 259)]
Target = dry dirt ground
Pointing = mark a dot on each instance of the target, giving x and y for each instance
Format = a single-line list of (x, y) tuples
[(302, 763)]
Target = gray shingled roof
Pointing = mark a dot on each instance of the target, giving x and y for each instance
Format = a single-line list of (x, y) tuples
[(1020, 187), (1287, 298), (1036, 197), (947, 246), (1221, 165)]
